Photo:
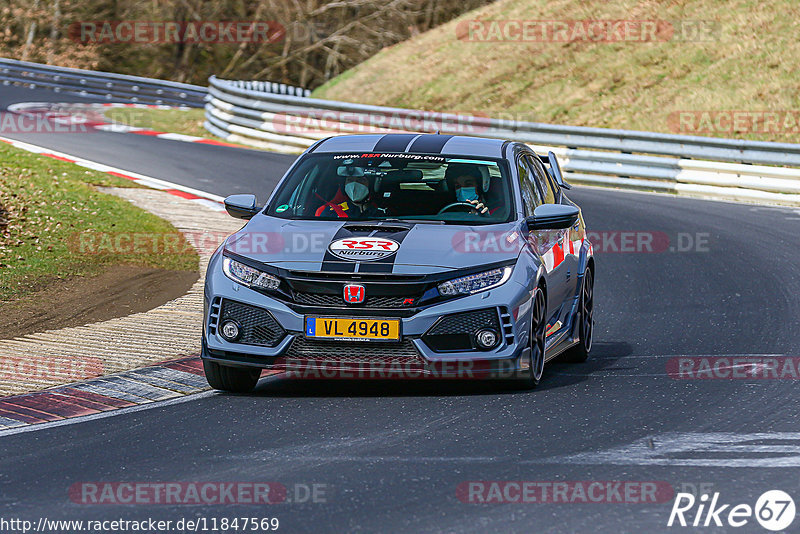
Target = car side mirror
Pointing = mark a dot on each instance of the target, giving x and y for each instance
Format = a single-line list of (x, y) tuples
[(555, 168), (241, 206), (552, 217)]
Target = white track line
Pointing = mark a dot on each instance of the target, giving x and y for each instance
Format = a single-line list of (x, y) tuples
[(148, 181)]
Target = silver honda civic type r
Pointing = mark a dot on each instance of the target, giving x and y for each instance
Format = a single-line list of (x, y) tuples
[(402, 256)]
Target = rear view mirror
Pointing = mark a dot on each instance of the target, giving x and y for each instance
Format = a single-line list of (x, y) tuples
[(241, 206), (346, 170), (553, 217)]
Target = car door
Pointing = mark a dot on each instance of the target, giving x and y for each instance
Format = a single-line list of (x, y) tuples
[(542, 240), (562, 254)]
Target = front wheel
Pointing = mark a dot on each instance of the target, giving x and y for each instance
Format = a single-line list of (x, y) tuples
[(233, 379), (585, 318), (529, 378)]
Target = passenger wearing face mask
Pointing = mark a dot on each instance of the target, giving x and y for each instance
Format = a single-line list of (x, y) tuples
[(353, 200)]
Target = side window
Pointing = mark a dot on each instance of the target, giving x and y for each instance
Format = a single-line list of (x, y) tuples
[(543, 180), (530, 198), (553, 186)]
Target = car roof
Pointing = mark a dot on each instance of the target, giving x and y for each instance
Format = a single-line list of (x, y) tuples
[(452, 145)]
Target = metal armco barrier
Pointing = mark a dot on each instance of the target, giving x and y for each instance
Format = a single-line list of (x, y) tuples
[(109, 86), (726, 169)]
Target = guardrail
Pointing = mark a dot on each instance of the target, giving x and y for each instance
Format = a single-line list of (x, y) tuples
[(107, 85), (727, 169)]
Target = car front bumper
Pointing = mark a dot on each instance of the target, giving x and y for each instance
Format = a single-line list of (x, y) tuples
[(411, 357)]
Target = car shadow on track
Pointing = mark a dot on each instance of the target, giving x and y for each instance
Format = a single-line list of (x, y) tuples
[(603, 355), (559, 373)]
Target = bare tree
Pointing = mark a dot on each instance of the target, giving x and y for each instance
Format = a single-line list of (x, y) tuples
[(313, 41)]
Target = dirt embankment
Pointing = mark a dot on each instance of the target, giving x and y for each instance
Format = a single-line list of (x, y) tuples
[(117, 291)]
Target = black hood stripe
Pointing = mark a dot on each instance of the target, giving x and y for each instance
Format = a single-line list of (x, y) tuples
[(429, 144), (331, 263), (394, 142), (384, 265)]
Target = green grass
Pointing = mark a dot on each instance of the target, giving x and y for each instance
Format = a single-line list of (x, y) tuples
[(750, 63), (50, 205), (187, 122)]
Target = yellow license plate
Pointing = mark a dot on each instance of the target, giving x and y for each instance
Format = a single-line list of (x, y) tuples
[(353, 329)]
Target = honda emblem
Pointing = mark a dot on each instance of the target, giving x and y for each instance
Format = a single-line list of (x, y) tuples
[(354, 293)]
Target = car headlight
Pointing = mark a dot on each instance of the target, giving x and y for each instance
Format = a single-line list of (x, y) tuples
[(244, 274), (473, 283)]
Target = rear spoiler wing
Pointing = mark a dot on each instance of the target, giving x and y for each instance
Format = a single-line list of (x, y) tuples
[(550, 163)]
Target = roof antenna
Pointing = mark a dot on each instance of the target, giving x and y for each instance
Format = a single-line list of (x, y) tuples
[(438, 132)]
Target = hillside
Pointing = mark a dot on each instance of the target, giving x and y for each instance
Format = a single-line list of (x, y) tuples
[(299, 43), (707, 58)]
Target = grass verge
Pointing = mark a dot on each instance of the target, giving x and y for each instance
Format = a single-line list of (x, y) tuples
[(187, 122), (48, 205)]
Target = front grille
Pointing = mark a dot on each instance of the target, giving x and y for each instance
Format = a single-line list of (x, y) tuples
[(257, 325), (320, 299), (354, 353), (383, 291), (457, 331)]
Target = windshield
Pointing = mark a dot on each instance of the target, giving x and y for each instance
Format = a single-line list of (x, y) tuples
[(395, 186)]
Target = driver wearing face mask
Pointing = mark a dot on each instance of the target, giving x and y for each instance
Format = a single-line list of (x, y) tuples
[(352, 200), (467, 182)]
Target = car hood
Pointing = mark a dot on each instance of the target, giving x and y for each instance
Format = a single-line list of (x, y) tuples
[(421, 248)]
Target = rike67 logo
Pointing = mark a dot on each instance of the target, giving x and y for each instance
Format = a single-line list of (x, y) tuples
[(774, 510)]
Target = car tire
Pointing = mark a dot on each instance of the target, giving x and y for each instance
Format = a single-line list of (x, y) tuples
[(233, 379), (529, 378), (585, 322)]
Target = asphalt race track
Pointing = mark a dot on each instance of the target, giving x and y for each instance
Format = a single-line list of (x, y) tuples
[(389, 456)]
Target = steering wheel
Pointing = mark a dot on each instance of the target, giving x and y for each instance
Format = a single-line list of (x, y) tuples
[(460, 206)]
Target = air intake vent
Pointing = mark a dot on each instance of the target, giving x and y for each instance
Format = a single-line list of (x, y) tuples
[(456, 332), (506, 322), (353, 353), (213, 315), (257, 325), (369, 228)]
